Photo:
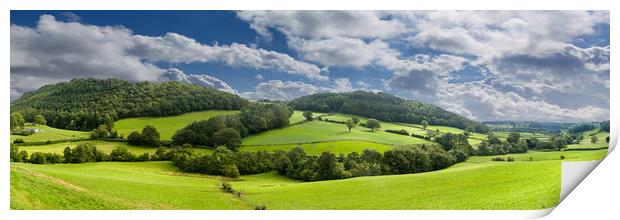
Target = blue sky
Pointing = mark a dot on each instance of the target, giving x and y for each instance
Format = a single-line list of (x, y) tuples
[(501, 65)]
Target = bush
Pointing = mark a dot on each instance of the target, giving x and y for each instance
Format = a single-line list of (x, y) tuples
[(260, 207), (19, 141), (498, 159), (38, 158), (510, 159), (230, 170), (121, 153), (401, 132), (227, 188), (562, 157)]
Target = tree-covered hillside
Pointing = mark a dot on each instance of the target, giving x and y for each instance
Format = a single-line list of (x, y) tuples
[(84, 104), (384, 106)]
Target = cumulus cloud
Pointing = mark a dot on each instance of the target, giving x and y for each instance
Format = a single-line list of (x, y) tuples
[(484, 102), (55, 51), (204, 80), (324, 24), (176, 48), (287, 90)]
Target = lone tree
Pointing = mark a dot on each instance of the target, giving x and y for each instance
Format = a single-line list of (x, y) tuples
[(356, 120), (373, 124), (40, 120), (308, 116), (594, 139), (424, 124), (228, 137), (350, 124)]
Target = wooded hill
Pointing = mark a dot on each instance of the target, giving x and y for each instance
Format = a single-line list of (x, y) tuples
[(84, 104), (385, 107)]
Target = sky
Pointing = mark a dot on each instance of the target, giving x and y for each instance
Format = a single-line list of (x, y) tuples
[(485, 65)]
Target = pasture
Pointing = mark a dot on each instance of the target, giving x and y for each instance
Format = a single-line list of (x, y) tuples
[(478, 183), (47, 133), (320, 131), (166, 126), (586, 143), (335, 147)]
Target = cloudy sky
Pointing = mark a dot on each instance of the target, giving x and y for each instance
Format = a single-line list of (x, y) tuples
[(485, 65)]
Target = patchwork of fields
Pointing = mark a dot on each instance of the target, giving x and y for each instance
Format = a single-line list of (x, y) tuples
[(530, 182), (476, 184)]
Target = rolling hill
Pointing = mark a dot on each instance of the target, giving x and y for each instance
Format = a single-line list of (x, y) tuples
[(84, 104), (385, 107)]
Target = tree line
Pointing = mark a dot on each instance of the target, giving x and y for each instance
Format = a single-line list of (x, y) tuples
[(88, 152), (84, 104), (296, 164), (227, 130), (385, 107)]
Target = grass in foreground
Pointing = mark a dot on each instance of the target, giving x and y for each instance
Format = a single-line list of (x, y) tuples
[(109, 185), (476, 184), (166, 126), (52, 134)]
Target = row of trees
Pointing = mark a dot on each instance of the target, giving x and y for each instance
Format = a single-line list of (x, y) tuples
[(298, 165), (227, 130), (385, 107), (82, 104), (87, 152)]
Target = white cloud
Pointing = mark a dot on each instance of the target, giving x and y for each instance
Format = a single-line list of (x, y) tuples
[(323, 24), (287, 90), (55, 51), (339, 51), (204, 80), (176, 48), (484, 102)]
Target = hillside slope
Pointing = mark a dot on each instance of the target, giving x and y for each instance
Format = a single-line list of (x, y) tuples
[(82, 104), (385, 107)]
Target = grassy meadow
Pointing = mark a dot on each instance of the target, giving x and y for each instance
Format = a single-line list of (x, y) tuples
[(320, 131), (165, 125), (47, 133), (335, 147), (586, 143), (478, 183)]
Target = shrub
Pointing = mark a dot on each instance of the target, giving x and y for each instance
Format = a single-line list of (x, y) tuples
[(510, 159), (260, 207), (562, 157), (226, 187), (19, 141), (121, 153), (498, 159), (38, 158), (401, 132), (230, 170)]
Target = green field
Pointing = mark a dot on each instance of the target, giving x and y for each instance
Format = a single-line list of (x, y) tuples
[(298, 116), (335, 147), (52, 134), (166, 126), (586, 143), (319, 131), (478, 183), (105, 146)]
